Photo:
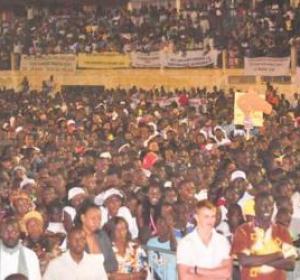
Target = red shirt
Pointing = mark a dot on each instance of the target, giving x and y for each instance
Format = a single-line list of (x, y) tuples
[(252, 240)]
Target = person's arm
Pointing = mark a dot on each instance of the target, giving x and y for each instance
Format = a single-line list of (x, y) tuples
[(252, 260), (221, 272), (128, 276), (110, 261), (284, 264)]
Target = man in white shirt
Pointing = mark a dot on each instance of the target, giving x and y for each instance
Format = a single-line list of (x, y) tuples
[(76, 264), (14, 257), (204, 253)]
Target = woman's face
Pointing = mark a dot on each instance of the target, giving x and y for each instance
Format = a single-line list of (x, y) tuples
[(154, 195), (113, 204), (34, 228), (91, 220), (121, 231), (22, 206)]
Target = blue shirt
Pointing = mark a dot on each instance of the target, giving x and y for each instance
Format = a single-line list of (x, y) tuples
[(162, 264)]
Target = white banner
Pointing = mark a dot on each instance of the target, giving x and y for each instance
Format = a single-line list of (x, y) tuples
[(267, 66), (145, 60), (190, 59), (52, 63)]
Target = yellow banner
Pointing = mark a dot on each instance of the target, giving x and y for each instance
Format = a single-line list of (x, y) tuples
[(107, 60)]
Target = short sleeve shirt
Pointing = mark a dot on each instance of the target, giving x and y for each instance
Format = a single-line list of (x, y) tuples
[(192, 251), (252, 240)]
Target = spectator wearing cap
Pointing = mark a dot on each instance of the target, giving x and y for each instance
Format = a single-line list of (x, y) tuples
[(37, 240), (112, 206), (76, 196)]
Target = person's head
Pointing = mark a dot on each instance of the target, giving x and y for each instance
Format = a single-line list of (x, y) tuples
[(88, 216), (76, 196), (55, 211), (163, 229), (76, 240), (21, 203), (16, 276), (48, 195), (117, 229), (186, 190), (113, 201), (34, 224), (235, 216), (10, 232), (206, 215), (171, 195), (264, 206), (154, 194), (284, 202), (283, 217), (284, 188), (232, 195)]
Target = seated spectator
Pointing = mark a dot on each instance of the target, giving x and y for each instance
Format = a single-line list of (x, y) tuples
[(97, 241), (163, 264), (75, 263), (130, 256), (204, 253)]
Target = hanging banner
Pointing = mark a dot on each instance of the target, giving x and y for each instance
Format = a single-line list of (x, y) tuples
[(190, 59), (52, 63), (146, 60), (267, 66), (107, 60)]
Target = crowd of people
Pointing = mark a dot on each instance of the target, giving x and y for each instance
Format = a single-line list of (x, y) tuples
[(90, 176), (235, 26)]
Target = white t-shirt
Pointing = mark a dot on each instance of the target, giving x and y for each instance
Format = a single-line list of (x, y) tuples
[(9, 264), (64, 267), (192, 251)]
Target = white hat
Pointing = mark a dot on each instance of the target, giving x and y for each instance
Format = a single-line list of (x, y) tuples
[(168, 184), (70, 211), (106, 155), (102, 197), (70, 122), (19, 129), (26, 181), (75, 191), (202, 195), (238, 174)]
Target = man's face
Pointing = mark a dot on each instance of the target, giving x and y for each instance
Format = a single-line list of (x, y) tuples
[(187, 191), (264, 208), (206, 218), (10, 234), (77, 241)]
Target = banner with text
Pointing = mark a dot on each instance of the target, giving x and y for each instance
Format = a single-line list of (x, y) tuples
[(267, 66), (190, 59), (146, 60), (107, 60), (52, 63)]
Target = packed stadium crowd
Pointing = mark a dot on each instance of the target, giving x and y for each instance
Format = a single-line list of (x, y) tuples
[(242, 30), (90, 176)]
